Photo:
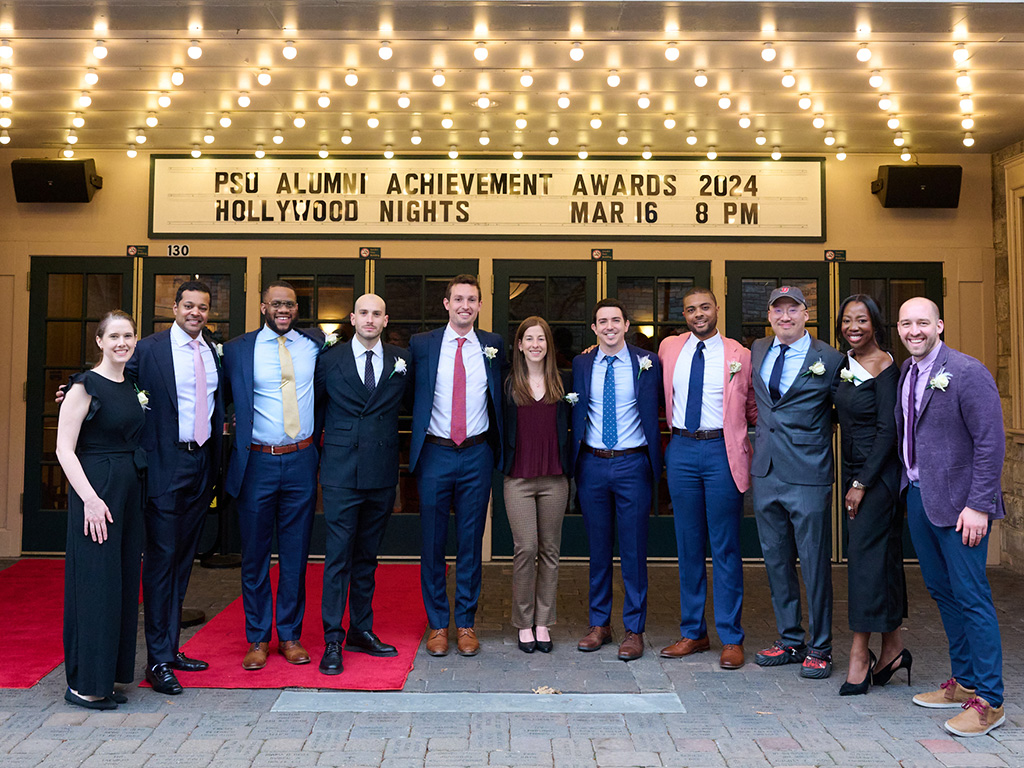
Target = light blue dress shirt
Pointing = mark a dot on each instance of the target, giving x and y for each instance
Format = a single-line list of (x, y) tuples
[(631, 433), (268, 420), (793, 365)]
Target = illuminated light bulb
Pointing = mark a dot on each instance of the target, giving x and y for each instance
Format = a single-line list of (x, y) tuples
[(483, 101), (6, 102), (967, 123), (553, 138), (196, 151), (893, 122), (484, 139), (151, 120), (744, 121), (700, 79), (323, 152), (863, 52), (403, 101), (68, 151), (884, 102), (966, 103), (768, 52), (132, 152), (644, 101), (416, 138), (438, 79), (351, 78), (324, 100), (5, 121), (840, 154), (260, 152), (7, 80), (372, 121), (385, 51), (177, 76), (76, 120), (576, 52), (84, 100), (875, 81), (244, 100), (960, 53), (526, 79), (672, 52), (521, 122), (582, 154), (614, 79), (517, 153), (194, 50), (453, 152), (140, 136), (805, 101), (712, 154), (595, 122), (963, 81), (691, 138), (898, 139), (776, 154), (905, 154), (563, 100), (788, 80), (670, 122), (829, 138), (164, 100), (72, 137), (263, 78), (208, 137), (278, 137), (760, 139), (289, 51), (6, 51), (346, 136), (99, 50), (968, 140), (299, 121), (724, 102), (622, 138), (389, 152), (225, 120), (5, 137), (480, 52), (818, 121), (646, 154), (447, 122), (91, 78)]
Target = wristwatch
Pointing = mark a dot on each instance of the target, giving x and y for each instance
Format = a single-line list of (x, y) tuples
[(859, 485)]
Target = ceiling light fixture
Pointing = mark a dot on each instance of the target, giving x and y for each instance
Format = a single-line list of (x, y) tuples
[(768, 52), (208, 137), (483, 101), (194, 50), (389, 152), (712, 153), (324, 153), (898, 139), (582, 154), (76, 120), (244, 100), (99, 50), (196, 151), (6, 51), (289, 51), (324, 100), (5, 120), (299, 121), (760, 139), (893, 122), (818, 121), (804, 102), (646, 154), (700, 79), (553, 138), (263, 78), (788, 80), (447, 122), (614, 79), (840, 154), (416, 138), (776, 154), (480, 52), (884, 102), (278, 137), (68, 152), (595, 122), (517, 152), (151, 120), (85, 100), (563, 100), (691, 138), (346, 136), (260, 152), (576, 52), (225, 120), (521, 122), (384, 51), (905, 154), (968, 140), (484, 139), (177, 76), (967, 123), (644, 101), (672, 52), (526, 79), (724, 102), (351, 78), (132, 152), (91, 78), (744, 121), (438, 79), (453, 152), (72, 137), (622, 138), (966, 103), (6, 80), (372, 121), (670, 122), (829, 138), (403, 101), (875, 81), (863, 52), (963, 81), (960, 53)]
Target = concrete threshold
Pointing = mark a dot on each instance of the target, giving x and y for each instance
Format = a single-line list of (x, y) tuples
[(571, 703)]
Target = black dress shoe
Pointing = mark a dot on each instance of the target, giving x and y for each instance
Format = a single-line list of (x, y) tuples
[(161, 678), (367, 642), (527, 646), (184, 664), (78, 701), (545, 646), (117, 697), (331, 664)]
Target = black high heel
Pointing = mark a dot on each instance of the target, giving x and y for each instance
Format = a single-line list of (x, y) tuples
[(859, 689), (904, 660)]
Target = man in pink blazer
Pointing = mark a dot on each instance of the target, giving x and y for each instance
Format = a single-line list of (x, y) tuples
[(709, 400)]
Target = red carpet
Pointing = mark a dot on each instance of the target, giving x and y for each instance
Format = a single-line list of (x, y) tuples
[(399, 619), (32, 604)]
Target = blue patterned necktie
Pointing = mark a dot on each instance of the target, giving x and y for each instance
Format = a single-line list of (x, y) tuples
[(695, 395), (609, 427), (776, 378), (368, 378)]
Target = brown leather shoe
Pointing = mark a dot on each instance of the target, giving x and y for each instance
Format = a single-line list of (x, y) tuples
[(632, 646), (437, 642), (597, 637), (468, 644), (256, 656), (685, 647), (732, 657), (293, 652)]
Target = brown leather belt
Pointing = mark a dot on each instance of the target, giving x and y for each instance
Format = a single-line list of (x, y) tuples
[(280, 450), (604, 453), (469, 442), (700, 434)]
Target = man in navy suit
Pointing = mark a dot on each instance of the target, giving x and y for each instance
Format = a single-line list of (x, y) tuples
[(949, 426), (362, 385), (273, 468), (617, 459), (180, 369), (456, 446)]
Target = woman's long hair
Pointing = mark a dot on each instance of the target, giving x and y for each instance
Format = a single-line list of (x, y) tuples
[(877, 324), (519, 381)]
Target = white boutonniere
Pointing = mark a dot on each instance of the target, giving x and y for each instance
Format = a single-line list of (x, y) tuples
[(815, 369), (219, 349), (572, 398), (329, 341), (735, 366), (143, 396), (848, 376), (400, 367), (940, 380), (490, 352), (645, 364)]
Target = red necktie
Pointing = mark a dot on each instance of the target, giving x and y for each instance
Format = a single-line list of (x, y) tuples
[(459, 397)]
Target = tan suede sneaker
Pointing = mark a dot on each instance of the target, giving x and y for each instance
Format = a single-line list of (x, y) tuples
[(949, 696), (977, 719)]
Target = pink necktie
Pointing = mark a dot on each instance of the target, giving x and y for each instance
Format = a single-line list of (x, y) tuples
[(202, 425), (459, 397)]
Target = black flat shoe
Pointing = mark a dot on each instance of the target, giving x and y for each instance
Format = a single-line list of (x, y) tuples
[(184, 664), (545, 646), (330, 663), (367, 642), (903, 661), (78, 701), (528, 646), (117, 697), (859, 689), (161, 678)]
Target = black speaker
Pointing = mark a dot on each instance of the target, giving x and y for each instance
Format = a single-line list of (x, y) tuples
[(41, 180), (918, 186)]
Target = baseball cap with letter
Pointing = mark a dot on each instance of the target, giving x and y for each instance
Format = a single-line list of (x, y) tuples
[(787, 292)]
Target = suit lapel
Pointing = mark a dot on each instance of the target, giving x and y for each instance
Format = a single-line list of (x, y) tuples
[(350, 373), (726, 385), (434, 356), (492, 370), (801, 378), (938, 365), (588, 365), (165, 360), (385, 375), (634, 358), (249, 365), (757, 356)]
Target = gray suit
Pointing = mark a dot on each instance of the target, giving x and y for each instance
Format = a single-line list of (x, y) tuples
[(792, 474)]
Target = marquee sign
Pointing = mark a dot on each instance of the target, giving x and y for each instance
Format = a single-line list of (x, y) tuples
[(478, 198)]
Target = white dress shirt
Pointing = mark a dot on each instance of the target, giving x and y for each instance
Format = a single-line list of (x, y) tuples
[(185, 380), (268, 419), (359, 352), (713, 399), (476, 385)]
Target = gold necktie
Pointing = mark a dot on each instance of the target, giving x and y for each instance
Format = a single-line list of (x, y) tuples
[(289, 398)]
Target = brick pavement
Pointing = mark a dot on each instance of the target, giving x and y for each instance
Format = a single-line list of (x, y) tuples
[(750, 718)]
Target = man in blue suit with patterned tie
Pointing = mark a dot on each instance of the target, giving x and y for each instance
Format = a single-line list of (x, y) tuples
[(273, 468), (617, 459), (456, 446)]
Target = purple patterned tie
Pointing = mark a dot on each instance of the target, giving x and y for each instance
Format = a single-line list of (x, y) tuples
[(911, 413)]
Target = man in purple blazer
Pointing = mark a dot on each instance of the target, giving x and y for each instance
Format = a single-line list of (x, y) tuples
[(950, 432)]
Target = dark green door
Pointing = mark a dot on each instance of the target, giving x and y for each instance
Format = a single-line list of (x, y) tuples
[(67, 297)]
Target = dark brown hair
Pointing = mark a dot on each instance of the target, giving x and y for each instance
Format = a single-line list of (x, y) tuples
[(463, 280), (114, 314), (697, 289), (610, 303), (519, 381)]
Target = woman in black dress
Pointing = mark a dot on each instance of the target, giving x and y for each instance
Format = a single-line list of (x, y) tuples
[(101, 419), (866, 401)]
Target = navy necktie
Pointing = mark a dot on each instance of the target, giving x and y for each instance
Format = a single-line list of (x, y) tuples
[(368, 378), (609, 427), (911, 413), (776, 378), (694, 397)]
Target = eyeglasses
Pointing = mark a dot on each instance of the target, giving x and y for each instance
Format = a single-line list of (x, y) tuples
[(283, 304), (792, 310)]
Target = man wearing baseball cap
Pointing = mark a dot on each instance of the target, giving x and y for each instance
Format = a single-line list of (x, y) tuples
[(792, 471)]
